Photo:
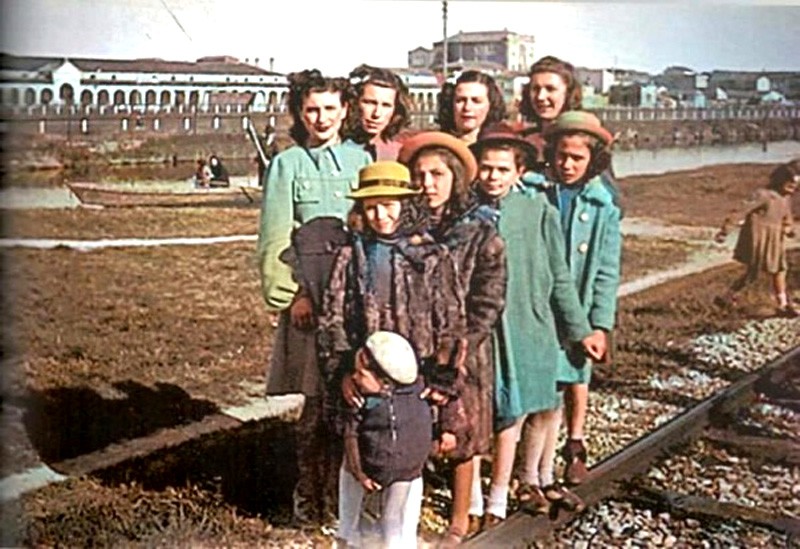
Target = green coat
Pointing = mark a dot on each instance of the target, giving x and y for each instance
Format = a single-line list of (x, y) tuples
[(594, 248), (541, 302), (299, 185)]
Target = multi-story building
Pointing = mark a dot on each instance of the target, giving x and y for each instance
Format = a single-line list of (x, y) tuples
[(504, 50)]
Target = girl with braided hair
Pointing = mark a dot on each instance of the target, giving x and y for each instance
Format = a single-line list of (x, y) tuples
[(310, 180)]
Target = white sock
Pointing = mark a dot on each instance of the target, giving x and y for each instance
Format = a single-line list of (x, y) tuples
[(476, 494), (498, 501)]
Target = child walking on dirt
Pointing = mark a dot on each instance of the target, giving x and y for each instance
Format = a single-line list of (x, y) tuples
[(761, 244)]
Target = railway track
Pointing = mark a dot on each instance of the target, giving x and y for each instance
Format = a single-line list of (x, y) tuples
[(713, 420)]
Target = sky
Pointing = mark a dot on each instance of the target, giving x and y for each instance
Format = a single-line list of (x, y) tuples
[(336, 35)]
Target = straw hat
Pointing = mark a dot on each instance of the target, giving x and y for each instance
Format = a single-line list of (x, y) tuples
[(425, 140), (394, 355), (583, 121), (384, 178)]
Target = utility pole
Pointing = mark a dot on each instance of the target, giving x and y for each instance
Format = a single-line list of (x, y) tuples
[(444, 42)]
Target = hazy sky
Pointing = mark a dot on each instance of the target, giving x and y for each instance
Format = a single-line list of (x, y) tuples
[(336, 35)]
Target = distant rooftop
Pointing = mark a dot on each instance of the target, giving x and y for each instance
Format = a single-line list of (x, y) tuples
[(208, 65)]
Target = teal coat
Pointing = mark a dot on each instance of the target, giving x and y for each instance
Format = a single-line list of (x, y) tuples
[(541, 302), (593, 250), (300, 185)]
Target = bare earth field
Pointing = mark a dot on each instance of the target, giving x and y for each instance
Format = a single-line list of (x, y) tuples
[(113, 344)]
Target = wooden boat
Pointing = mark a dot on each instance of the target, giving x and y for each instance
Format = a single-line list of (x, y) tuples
[(165, 194)]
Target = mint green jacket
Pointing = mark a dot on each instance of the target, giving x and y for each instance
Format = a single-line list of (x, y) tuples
[(299, 185)]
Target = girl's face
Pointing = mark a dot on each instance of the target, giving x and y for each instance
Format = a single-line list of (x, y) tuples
[(790, 186), (383, 214), (470, 106), (548, 94), (573, 156), (434, 177), (498, 171), (376, 105), (323, 114)]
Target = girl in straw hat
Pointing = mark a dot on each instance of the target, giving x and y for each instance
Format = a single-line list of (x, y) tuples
[(394, 277)]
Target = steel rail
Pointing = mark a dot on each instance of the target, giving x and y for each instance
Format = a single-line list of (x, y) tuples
[(519, 529)]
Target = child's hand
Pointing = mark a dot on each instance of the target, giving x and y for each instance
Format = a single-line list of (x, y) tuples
[(435, 397), (447, 443), (369, 484), (595, 345)]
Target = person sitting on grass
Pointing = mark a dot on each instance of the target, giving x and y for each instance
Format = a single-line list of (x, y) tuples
[(761, 244)]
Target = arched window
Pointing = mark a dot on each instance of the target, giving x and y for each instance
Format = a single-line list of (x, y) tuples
[(66, 94), (46, 97), (180, 98), (86, 97), (165, 97), (102, 97), (194, 98), (150, 98), (13, 96), (273, 99), (119, 97), (135, 97), (30, 96)]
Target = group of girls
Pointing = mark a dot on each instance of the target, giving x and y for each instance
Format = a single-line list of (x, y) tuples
[(493, 253)]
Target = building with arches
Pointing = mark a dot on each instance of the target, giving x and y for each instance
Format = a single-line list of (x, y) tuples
[(142, 85)]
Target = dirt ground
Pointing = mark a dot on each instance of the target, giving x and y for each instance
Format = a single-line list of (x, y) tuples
[(113, 344)]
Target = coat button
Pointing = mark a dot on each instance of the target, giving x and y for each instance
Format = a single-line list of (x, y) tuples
[(584, 216), (583, 247)]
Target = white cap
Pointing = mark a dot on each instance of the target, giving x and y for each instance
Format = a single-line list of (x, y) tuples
[(394, 355)]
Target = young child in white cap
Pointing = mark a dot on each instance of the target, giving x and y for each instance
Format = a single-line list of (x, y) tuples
[(387, 441)]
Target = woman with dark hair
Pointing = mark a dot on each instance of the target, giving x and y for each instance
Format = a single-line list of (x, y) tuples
[(468, 105), (552, 88), (382, 109), (444, 168), (310, 180)]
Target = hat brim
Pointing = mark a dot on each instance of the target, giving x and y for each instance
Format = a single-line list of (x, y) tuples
[(382, 190), (425, 140), (526, 146), (597, 131)]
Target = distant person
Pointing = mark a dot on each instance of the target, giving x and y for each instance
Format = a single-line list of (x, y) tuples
[(761, 244), (468, 105), (219, 174), (310, 180), (202, 175), (382, 110)]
